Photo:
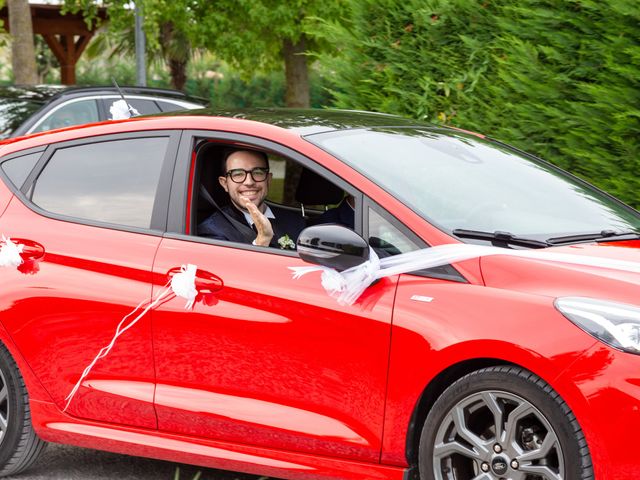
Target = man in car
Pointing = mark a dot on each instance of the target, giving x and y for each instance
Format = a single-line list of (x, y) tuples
[(246, 179)]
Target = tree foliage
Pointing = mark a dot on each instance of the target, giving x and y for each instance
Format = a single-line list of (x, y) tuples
[(166, 24), (557, 78), (252, 35), (259, 35)]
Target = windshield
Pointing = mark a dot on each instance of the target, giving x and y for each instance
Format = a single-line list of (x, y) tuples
[(13, 112), (460, 181)]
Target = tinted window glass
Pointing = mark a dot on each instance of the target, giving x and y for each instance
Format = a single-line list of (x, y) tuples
[(144, 107), (73, 113), (17, 169), (385, 236), (113, 182), (169, 107)]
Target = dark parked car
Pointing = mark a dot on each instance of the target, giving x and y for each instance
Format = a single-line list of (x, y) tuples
[(30, 109)]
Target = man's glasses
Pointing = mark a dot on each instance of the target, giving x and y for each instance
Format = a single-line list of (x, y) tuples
[(239, 175)]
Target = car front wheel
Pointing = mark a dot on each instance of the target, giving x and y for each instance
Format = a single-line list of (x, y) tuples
[(502, 423), (19, 445)]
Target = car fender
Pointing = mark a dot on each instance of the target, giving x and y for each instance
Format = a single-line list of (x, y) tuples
[(452, 363), (464, 328), (35, 389)]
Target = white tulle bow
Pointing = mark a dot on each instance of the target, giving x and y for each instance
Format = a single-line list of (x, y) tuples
[(347, 286), (183, 284), (121, 110), (10, 253)]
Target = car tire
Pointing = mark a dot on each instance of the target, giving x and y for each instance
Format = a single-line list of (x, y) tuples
[(502, 422), (19, 444)]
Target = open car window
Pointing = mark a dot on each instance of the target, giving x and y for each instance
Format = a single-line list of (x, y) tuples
[(294, 189)]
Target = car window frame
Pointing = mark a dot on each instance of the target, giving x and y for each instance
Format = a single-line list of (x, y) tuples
[(15, 189), (161, 202), (107, 100), (369, 204), (102, 104), (183, 196), (54, 106)]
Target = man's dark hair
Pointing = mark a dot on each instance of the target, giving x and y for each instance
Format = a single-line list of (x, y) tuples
[(228, 151)]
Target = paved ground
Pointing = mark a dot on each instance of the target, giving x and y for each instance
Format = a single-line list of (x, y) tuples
[(61, 462)]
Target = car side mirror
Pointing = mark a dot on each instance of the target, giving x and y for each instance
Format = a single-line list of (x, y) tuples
[(332, 246)]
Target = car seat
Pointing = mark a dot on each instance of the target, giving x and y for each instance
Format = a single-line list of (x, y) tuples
[(209, 167), (315, 190)]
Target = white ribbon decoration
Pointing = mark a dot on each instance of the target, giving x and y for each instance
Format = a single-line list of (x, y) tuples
[(121, 110), (347, 286), (182, 285), (10, 253)]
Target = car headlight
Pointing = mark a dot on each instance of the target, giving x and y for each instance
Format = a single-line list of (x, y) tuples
[(616, 324)]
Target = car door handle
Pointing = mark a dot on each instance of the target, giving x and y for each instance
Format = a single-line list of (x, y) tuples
[(30, 250), (206, 282)]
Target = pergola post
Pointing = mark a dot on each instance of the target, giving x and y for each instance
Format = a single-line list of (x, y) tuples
[(66, 35)]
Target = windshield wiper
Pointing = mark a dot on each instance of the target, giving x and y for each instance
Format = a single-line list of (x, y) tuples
[(601, 236), (500, 239)]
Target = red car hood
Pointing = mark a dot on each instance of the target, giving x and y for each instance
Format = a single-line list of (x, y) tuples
[(557, 279)]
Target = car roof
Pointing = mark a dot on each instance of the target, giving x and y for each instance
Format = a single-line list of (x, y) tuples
[(298, 123), (45, 93), (309, 121)]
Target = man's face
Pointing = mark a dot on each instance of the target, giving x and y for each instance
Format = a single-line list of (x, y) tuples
[(254, 191)]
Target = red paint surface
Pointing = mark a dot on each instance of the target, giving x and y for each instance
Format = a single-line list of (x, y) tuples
[(270, 361)]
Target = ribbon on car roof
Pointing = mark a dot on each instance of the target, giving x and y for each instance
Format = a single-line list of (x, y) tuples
[(347, 286), (121, 110), (182, 285)]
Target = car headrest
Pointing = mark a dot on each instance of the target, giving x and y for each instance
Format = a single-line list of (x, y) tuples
[(210, 157), (314, 189)]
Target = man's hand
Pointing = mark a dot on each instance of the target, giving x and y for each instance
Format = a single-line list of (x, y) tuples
[(262, 223)]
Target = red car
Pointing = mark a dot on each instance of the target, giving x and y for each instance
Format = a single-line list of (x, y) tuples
[(492, 367)]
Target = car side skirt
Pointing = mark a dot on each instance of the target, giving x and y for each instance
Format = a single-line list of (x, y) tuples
[(54, 426)]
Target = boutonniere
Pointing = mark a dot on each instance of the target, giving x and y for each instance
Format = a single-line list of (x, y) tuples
[(286, 243)]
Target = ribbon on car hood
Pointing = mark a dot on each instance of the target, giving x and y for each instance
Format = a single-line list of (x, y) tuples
[(347, 286)]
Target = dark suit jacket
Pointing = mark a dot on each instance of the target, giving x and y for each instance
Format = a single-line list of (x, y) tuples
[(218, 227), (342, 215)]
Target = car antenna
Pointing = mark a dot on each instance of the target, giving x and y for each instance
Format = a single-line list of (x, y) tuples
[(132, 111)]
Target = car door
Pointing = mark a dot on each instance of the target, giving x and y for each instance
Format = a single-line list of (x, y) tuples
[(265, 359), (91, 215)]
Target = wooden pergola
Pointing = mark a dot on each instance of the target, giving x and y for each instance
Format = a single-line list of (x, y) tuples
[(66, 35)]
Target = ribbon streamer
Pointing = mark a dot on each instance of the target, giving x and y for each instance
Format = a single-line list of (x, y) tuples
[(182, 285), (347, 286), (120, 110), (10, 253)]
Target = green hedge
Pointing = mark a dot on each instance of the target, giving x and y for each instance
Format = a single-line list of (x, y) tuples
[(560, 79)]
